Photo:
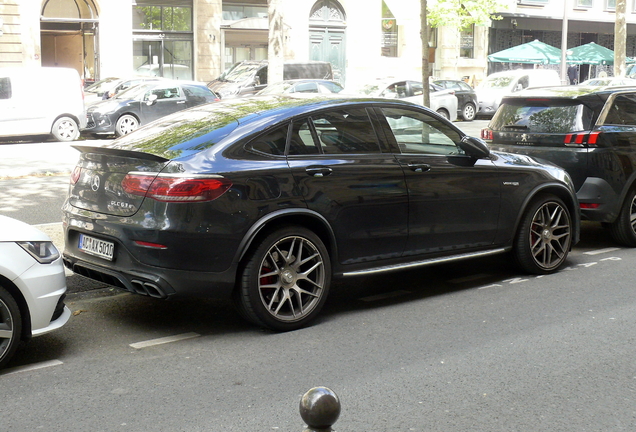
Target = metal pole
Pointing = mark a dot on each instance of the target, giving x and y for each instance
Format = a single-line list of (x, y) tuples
[(564, 44)]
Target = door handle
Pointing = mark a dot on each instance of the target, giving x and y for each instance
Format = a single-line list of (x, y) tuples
[(318, 171), (419, 167)]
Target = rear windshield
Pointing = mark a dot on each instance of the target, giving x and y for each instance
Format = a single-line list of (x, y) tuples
[(542, 116)]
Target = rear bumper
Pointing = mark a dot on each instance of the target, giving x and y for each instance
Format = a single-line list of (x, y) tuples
[(598, 192)]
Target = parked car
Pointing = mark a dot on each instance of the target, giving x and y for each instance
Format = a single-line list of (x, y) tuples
[(248, 77), (500, 84), (265, 199), (41, 101), (32, 286), (143, 104), (591, 133), (169, 71), (109, 87), (467, 103), (302, 86), (443, 101), (609, 82)]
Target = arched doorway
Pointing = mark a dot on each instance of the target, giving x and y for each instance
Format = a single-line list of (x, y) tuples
[(327, 25), (68, 36)]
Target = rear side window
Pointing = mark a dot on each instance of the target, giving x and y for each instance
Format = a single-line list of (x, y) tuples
[(345, 131), (5, 88), (623, 111), (542, 116)]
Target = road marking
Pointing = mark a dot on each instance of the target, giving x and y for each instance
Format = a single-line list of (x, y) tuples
[(385, 296), (164, 340), (469, 278), (31, 367), (600, 251)]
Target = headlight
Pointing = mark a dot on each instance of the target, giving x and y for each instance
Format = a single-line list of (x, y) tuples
[(44, 252)]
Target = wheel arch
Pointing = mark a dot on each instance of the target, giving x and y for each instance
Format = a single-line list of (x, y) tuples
[(22, 304), (568, 199), (302, 217)]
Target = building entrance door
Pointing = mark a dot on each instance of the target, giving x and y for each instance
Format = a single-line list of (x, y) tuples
[(327, 36)]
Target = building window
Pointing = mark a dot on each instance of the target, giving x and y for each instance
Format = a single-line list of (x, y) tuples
[(389, 44), (584, 4), (610, 5), (164, 18), (233, 12), (467, 42), (533, 2)]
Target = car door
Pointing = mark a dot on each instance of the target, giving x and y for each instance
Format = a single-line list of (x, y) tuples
[(343, 173), (453, 204), (169, 99)]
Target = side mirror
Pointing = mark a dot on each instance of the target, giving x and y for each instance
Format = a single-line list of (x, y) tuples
[(151, 99), (474, 147)]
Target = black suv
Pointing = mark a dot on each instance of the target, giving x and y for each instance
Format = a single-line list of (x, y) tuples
[(591, 133)]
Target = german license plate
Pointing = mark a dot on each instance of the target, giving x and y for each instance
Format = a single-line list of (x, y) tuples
[(97, 247)]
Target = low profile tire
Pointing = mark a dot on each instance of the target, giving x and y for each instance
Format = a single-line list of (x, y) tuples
[(10, 326), (544, 238), (126, 124), (65, 129), (623, 230), (443, 113), (285, 280), (469, 112)]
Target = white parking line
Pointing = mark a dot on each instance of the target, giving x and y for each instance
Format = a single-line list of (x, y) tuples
[(31, 367), (600, 251), (164, 340), (385, 295)]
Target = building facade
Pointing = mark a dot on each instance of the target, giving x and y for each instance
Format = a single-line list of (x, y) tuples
[(363, 39)]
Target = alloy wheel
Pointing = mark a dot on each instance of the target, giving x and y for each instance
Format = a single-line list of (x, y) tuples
[(550, 235), (292, 278), (7, 330)]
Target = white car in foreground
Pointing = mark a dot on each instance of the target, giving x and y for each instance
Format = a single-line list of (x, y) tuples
[(32, 286)]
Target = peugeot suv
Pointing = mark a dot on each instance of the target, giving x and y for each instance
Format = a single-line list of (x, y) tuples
[(588, 131)]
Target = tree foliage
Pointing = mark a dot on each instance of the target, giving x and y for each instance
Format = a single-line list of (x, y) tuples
[(463, 13)]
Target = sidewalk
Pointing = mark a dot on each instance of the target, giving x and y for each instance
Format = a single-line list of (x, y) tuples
[(44, 158)]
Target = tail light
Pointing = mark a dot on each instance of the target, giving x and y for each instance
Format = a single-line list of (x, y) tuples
[(75, 175), (589, 138), (486, 134), (168, 188)]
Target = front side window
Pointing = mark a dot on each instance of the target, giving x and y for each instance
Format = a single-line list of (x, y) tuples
[(345, 131), (416, 132)]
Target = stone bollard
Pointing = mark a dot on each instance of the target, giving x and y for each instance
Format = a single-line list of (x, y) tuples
[(319, 408)]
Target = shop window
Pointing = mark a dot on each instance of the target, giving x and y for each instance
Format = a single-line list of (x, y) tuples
[(467, 42), (389, 33)]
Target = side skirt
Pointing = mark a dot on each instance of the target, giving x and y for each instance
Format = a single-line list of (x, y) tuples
[(426, 262)]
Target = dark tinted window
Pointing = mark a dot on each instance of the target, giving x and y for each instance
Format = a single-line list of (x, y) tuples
[(622, 111), (271, 143), (5, 88), (542, 116), (416, 132), (191, 90), (302, 140), (345, 131)]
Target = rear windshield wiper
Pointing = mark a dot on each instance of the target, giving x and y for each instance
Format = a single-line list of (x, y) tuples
[(516, 126)]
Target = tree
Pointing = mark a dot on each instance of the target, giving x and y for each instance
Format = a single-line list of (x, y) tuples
[(453, 13), (620, 39), (275, 47)]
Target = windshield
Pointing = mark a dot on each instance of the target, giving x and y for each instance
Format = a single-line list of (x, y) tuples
[(497, 82), (101, 86), (135, 92), (276, 88), (241, 72)]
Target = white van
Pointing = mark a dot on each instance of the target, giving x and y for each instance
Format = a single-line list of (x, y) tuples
[(41, 101), (500, 84)]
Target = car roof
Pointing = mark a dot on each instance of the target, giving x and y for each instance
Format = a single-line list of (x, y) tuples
[(567, 92)]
